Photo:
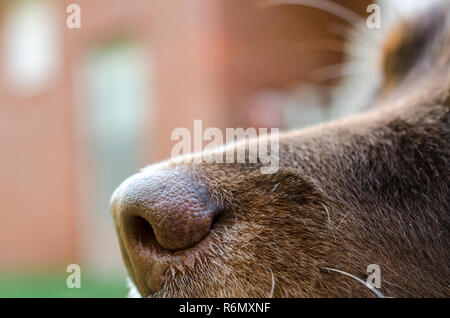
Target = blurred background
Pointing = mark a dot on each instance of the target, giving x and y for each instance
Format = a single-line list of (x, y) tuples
[(82, 109)]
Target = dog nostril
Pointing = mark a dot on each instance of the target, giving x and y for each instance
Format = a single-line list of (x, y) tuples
[(164, 208), (141, 232), (216, 218)]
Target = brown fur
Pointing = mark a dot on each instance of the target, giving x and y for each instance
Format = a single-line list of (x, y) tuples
[(371, 189)]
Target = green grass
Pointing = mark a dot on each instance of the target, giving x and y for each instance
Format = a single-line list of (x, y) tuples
[(54, 285)]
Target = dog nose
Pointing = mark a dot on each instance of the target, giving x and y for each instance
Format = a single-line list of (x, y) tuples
[(165, 206)]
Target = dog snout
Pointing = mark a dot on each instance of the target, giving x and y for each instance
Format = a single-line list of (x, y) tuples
[(157, 214)]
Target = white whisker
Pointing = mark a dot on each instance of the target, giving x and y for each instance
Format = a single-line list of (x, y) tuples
[(330, 223), (325, 5), (273, 284), (342, 220), (339, 70), (376, 292)]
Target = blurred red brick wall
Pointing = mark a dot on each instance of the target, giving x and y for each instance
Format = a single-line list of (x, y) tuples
[(210, 56)]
